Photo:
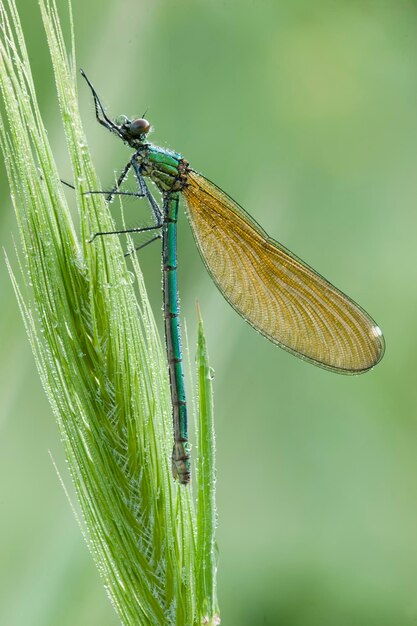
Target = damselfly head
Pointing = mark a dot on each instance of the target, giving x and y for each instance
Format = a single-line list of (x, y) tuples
[(132, 130), (139, 127)]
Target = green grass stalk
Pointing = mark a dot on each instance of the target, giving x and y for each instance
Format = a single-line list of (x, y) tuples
[(101, 362)]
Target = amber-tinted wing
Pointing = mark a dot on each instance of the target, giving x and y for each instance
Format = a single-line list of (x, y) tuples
[(278, 294)]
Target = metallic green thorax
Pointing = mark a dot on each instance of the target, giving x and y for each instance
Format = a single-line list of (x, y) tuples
[(168, 171)]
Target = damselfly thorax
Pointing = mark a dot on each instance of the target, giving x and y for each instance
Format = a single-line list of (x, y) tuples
[(167, 169)]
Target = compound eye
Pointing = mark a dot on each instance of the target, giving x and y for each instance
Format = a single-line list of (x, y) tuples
[(139, 127), (122, 120)]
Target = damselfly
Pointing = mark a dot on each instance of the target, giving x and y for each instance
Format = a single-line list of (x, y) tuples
[(272, 289)]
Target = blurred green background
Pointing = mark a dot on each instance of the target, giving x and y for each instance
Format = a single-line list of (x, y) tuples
[(306, 114)]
